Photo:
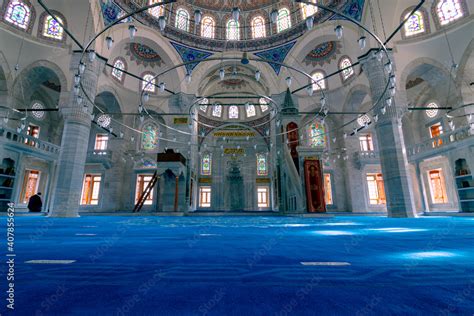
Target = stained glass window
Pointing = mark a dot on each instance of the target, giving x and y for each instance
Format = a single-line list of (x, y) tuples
[(363, 120), (433, 111), (319, 83), (308, 9), (208, 26), (39, 115), (262, 169), (150, 137), (52, 29), (263, 104), (449, 11), (258, 27), (158, 10), (250, 109), (117, 71), (203, 104), (217, 110), (284, 20), (18, 14), (148, 83), (182, 19), (206, 162), (232, 30), (317, 135), (415, 24), (348, 72), (233, 112)]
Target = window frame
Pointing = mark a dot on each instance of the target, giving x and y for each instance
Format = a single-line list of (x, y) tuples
[(42, 25), (263, 191), (89, 200), (122, 78), (442, 180), (205, 191), (31, 20), (140, 185), (279, 27)]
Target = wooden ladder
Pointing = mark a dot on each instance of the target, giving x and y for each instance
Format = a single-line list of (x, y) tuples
[(146, 193)]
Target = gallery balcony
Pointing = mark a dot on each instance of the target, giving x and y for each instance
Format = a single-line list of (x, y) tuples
[(103, 157), (21, 142), (439, 145), (363, 158)]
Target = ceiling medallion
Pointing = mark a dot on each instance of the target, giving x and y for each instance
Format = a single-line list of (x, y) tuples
[(323, 53), (143, 55)]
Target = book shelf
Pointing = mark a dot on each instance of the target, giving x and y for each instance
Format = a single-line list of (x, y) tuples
[(465, 188)]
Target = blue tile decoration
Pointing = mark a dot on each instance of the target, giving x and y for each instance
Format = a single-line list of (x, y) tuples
[(111, 12), (353, 8), (190, 54), (277, 54)]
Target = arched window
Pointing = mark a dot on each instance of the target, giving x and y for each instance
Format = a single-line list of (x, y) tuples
[(319, 83), (18, 13), (250, 109), (203, 104), (150, 137), (52, 29), (344, 64), (117, 71), (232, 30), (263, 104), (156, 11), (39, 114), (449, 11), (308, 10), (217, 110), (206, 164), (363, 120), (148, 83), (258, 27), (208, 27), (317, 135), (182, 19), (284, 20), (433, 110), (262, 169), (234, 112), (415, 24)]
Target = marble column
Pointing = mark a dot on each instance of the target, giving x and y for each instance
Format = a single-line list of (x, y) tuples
[(74, 143), (393, 158)]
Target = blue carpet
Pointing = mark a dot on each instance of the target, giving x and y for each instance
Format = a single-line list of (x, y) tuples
[(244, 266)]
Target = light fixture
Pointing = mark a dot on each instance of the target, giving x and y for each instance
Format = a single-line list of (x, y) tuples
[(339, 31), (162, 86), (146, 97), (236, 13), (162, 23), (132, 30), (389, 101), (310, 90), (288, 80), (392, 91), (82, 67), (79, 99), (383, 110), (393, 80), (258, 74), (121, 134), (17, 67), (140, 108), (362, 42), (197, 16), (451, 125), (388, 67), (5, 119), (142, 118), (76, 90), (132, 139), (274, 15), (325, 111), (91, 56), (111, 130), (188, 78), (222, 73), (77, 79), (109, 41), (245, 59), (334, 139), (309, 23), (323, 101), (376, 118)]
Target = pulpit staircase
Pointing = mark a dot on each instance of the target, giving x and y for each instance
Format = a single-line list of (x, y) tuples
[(146, 193)]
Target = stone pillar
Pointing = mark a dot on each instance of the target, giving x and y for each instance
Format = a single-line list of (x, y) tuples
[(176, 192), (74, 143), (393, 158)]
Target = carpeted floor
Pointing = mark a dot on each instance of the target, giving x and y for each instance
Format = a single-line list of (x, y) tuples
[(244, 266)]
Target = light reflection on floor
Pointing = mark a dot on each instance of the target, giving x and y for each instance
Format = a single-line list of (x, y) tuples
[(431, 255), (397, 230)]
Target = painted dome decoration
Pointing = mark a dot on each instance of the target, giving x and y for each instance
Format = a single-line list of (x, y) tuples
[(143, 55), (323, 53)]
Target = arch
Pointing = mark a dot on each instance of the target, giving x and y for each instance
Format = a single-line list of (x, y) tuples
[(20, 14), (258, 27), (466, 73), (319, 83), (50, 29), (232, 30), (148, 83), (182, 19), (343, 63), (448, 11), (284, 19)]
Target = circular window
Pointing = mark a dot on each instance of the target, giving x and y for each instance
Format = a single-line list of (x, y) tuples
[(39, 115), (432, 111), (104, 120), (363, 120)]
